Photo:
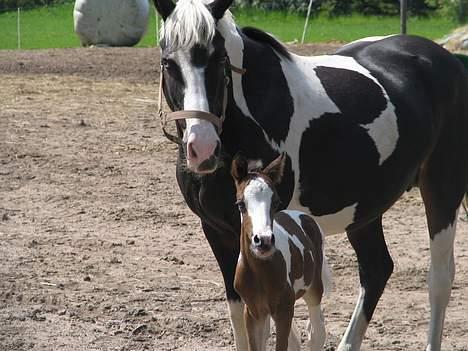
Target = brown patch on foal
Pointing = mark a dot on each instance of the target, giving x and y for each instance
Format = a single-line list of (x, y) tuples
[(311, 238)]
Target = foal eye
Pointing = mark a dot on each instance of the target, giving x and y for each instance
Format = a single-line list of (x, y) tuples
[(241, 205)]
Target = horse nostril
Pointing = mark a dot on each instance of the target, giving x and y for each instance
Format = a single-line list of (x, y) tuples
[(272, 239), (191, 151), (256, 240), (217, 150)]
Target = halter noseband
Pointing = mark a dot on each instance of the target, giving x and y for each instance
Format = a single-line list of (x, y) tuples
[(166, 117)]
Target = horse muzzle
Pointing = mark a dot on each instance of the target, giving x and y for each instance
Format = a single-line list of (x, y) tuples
[(205, 161)]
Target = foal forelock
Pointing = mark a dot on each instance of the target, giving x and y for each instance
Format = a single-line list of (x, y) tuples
[(189, 24)]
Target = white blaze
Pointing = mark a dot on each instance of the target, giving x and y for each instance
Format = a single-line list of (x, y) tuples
[(195, 98), (257, 197)]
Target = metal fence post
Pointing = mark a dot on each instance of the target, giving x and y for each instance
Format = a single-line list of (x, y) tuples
[(18, 28), (157, 28), (403, 16), (309, 8)]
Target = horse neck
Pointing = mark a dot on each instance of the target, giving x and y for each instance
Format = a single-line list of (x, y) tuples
[(245, 242)]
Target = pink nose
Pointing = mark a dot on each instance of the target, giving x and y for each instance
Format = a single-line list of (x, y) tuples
[(199, 151)]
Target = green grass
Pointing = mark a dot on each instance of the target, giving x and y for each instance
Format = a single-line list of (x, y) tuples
[(288, 27), (52, 27)]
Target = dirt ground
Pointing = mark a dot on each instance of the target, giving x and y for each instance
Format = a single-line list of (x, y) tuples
[(98, 250)]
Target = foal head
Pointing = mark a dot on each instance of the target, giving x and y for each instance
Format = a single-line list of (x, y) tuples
[(195, 69), (258, 201)]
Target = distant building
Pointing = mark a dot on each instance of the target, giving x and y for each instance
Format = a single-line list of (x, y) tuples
[(110, 22)]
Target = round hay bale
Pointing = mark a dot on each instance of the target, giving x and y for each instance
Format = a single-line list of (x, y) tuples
[(110, 22)]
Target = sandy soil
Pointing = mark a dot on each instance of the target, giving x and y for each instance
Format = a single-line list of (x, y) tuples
[(98, 250)]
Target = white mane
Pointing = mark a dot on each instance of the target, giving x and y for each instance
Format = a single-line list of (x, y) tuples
[(190, 23)]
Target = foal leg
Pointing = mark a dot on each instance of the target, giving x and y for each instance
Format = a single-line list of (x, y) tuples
[(255, 330), (283, 320), (375, 268), (316, 325)]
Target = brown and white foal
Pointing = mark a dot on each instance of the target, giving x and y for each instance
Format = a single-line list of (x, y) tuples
[(281, 259)]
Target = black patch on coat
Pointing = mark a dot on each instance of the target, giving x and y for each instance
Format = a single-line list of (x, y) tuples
[(266, 89), (357, 96), (338, 161), (244, 136), (215, 75)]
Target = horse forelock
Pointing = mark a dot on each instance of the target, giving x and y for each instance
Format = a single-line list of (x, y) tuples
[(189, 24)]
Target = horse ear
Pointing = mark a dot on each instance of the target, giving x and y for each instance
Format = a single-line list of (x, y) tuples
[(219, 7), (164, 7), (239, 168), (275, 169)]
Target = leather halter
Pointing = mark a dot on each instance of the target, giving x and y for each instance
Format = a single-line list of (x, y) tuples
[(166, 117)]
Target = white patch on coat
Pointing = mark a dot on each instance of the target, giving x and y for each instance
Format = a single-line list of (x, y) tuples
[(384, 129), (384, 132), (282, 237), (235, 51), (440, 279), (326, 272), (330, 224), (357, 327), (369, 39), (337, 222), (282, 245)]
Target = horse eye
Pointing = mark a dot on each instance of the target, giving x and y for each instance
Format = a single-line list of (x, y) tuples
[(165, 63), (241, 205)]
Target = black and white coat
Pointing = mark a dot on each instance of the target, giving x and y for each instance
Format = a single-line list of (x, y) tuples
[(359, 128)]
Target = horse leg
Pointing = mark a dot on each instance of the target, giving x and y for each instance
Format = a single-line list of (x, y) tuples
[(375, 268), (226, 251), (442, 189), (316, 325)]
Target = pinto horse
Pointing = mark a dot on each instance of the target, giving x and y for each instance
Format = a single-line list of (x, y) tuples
[(358, 127), (281, 259)]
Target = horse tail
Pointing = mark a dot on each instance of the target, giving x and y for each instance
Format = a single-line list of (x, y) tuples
[(465, 204), (464, 60)]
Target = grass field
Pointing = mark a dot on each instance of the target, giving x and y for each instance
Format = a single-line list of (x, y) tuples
[(52, 27)]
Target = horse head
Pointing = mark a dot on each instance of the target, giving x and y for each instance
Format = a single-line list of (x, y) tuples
[(258, 201), (195, 76)]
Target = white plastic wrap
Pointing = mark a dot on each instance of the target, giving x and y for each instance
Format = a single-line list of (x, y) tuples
[(110, 22)]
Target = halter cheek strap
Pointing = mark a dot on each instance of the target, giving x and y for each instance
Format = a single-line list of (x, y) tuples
[(165, 117)]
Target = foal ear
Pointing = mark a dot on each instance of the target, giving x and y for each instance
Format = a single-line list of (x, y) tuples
[(219, 7), (275, 169), (164, 7), (239, 168)]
